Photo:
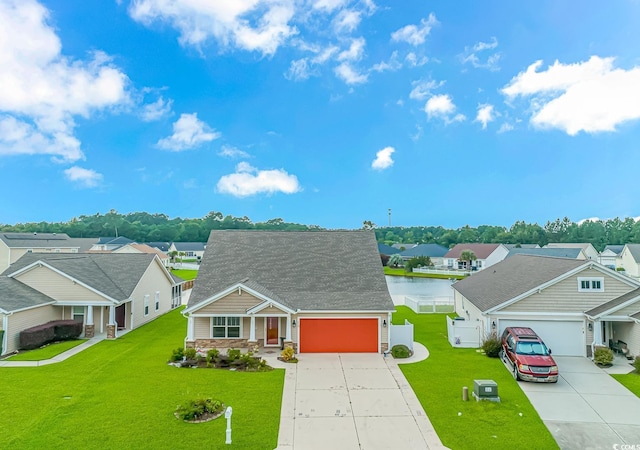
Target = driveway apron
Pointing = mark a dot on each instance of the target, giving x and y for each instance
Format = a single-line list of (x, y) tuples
[(587, 408), (351, 401)]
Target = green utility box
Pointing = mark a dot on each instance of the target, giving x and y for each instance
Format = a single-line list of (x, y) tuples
[(485, 390)]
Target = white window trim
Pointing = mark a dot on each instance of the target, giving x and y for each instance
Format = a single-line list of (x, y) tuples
[(226, 327), (146, 305), (591, 280)]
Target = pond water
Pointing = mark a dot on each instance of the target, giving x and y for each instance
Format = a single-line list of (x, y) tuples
[(419, 287)]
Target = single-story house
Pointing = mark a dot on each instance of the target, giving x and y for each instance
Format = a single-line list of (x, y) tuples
[(589, 250), (510, 246), (162, 246), (574, 305), (315, 291), (630, 260), (144, 248), (109, 244), (611, 256), (486, 254), (434, 251), (107, 293), (189, 249), (573, 253), (14, 245), (388, 250)]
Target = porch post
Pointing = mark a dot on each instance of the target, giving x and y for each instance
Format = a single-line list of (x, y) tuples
[(191, 328), (597, 332), (89, 329), (288, 331), (252, 329), (111, 327)]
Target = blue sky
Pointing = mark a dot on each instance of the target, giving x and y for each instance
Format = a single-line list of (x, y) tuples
[(327, 112)]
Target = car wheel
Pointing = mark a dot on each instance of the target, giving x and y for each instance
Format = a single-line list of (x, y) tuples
[(501, 355), (516, 375)]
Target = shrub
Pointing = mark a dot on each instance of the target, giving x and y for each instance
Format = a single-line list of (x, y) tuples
[(603, 356), (400, 351), (195, 409), (287, 354), (177, 354), (190, 353), (65, 330), (55, 330), (491, 345), (212, 354), (233, 354), (636, 364)]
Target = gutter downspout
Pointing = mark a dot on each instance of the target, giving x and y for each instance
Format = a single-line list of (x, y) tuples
[(5, 337)]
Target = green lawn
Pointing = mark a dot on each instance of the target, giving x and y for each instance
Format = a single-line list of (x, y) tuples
[(438, 383), (401, 273), (47, 352), (185, 274), (631, 381), (122, 394)]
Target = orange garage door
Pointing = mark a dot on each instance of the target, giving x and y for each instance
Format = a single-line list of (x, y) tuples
[(338, 335)]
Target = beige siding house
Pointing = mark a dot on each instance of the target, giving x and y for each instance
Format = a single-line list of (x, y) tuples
[(107, 293), (320, 303), (14, 245), (630, 260), (574, 305)]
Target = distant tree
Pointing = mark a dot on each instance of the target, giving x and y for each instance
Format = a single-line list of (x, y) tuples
[(173, 255), (468, 256), (384, 258), (418, 261), (395, 260), (368, 225)]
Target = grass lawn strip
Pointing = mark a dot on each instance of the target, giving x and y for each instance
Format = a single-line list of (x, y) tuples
[(438, 383), (185, 274), (51, 350), (631, 381), (122, 394), (401, 273)]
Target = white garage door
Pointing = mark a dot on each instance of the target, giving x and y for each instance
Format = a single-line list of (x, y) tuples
[(564, 338)]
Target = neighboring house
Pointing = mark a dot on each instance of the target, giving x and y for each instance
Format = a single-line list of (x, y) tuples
[(388, 250), (317, 291), (574, 305), (611, 256), (162, 246), (189, 249), (109, 244), (573, 253), (144, 248), (630, 260), (14, 245), (510, 246), (108, 293), (403, 247), (486, 254), (588, 249), (434, 251)]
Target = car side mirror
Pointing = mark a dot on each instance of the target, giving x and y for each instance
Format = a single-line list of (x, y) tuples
[(549, 350)]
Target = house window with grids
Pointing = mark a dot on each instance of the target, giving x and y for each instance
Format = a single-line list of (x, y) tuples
[(225, 327), (590, 284)]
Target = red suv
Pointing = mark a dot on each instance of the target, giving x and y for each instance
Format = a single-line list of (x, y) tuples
[(528, 357)]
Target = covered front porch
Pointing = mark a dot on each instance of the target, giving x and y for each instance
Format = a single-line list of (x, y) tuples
[(616, 333), (99, 318)]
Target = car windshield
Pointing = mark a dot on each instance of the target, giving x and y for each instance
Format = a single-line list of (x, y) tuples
[(531, 348)]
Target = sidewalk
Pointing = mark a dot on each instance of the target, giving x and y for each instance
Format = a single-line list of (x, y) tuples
[(58, 358)]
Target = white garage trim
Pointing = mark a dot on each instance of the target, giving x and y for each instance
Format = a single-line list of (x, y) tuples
[(564, 337)]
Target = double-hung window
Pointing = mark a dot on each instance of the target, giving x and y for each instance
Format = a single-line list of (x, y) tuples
[(146, 305), (157, 300), (225, 327)]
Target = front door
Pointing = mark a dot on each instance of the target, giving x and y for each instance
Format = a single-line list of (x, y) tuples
[(120, 316), (272, 331)]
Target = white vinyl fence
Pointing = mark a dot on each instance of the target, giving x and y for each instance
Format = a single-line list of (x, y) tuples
[(442, 271), (464, 334), (429, 305), (401, 334)]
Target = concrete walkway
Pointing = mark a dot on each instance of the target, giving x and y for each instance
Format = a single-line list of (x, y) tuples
[(586, 408), (58, 358), (351, 401)]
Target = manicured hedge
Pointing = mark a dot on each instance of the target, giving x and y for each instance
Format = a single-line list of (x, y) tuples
[(56, 330)]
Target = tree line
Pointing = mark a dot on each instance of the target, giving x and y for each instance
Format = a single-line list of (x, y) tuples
[(147, 227)]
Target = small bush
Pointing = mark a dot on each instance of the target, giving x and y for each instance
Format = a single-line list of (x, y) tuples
[(190, 353), (195, 409), (233, 354), (177, 354), (603, 356), (400, 351), (212, 354), (287, 354), (492, 345), (65, 330), (636, 364)]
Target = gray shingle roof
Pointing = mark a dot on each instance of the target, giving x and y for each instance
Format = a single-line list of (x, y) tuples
[(15, 295), (613, 303), (510, 246), (617, 249), (513, 276), (189, 246), (553, 252), (482, 251), (387, 249), (306, 270), (162, 246), (35, 240), (431, 250), (115, 275)]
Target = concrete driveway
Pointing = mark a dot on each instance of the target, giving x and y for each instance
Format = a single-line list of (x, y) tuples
[(587, 408), (351, 401)]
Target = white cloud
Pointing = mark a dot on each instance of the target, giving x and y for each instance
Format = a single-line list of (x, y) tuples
[(253, 25), (329, 5), (248, 181), (422, 88), (383, 159), (442, 107), (490, 62), (83, 177), (232, 152), (591, 96), (349, 75), (346, 21), (505, 127), (354, 52), (42, 91), (188, 132), (298, 70), (393, 64), (485, 115), (413, 60), (415, 35), (156, 110)]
